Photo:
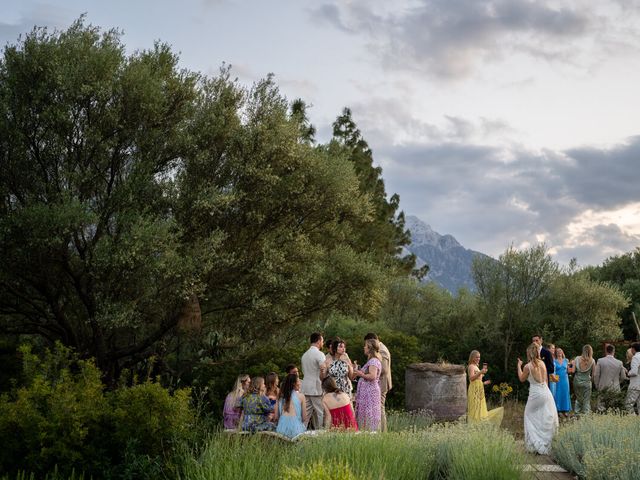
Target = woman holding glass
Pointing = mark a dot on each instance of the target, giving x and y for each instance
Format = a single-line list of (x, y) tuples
[(476, 402)]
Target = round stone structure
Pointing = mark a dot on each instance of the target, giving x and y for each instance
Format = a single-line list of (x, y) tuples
[(437, 388)]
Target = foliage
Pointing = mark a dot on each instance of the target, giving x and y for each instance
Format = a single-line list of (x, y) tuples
[(579, 310), (63, 419), (508, 290), (600, 447), (455, 451), (133, 190), (319, 471), (623, 271)]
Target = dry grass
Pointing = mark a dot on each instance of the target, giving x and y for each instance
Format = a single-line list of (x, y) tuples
[(513, 419)]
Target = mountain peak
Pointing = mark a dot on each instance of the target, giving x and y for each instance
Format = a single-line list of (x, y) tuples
[(449, 262)]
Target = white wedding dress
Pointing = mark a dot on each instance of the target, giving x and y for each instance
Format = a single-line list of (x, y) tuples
[(540, 417)]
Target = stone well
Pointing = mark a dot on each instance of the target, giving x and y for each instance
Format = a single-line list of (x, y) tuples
[(439, 388)]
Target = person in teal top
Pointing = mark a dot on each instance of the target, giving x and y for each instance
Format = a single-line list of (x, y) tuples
[(582, 380), (289, 412)]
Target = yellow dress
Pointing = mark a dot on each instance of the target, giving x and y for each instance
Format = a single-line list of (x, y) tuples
[(477, 405)]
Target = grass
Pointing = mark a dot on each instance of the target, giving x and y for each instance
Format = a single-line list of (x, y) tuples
[(600, 447), (452, 451)]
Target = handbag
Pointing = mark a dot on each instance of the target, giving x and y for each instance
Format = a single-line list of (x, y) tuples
[(553, 378)]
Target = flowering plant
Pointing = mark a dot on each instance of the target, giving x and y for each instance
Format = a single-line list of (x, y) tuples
[(504, 389)]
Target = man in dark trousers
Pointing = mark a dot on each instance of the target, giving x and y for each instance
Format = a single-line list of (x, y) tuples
[(545, 355)]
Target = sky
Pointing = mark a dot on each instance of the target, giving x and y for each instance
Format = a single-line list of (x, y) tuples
[(500, 122)]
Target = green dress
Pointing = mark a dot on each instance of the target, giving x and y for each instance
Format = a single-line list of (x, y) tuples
[(582, 387)]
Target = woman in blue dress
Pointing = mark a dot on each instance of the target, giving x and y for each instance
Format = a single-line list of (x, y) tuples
[(561, 391), (292, 418)]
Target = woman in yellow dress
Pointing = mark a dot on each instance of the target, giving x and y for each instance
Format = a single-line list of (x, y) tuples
[(476, 403)]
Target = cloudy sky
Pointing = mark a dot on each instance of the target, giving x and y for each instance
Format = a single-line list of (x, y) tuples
[(499, 122)]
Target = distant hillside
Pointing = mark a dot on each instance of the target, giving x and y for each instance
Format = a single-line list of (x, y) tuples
[(449, 262)]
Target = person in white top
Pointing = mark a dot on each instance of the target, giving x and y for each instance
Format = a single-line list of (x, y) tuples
[(312, 364), (633, 394)]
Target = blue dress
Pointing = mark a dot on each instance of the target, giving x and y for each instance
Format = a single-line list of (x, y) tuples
[(561, 390), (290, 425)]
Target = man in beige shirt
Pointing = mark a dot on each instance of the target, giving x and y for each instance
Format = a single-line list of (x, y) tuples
[(312, 363), (385, 378)]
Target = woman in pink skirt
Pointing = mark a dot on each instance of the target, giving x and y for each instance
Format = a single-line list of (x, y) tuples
[(368, 400)]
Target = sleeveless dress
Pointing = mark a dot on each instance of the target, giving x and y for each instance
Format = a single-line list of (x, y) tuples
[(290, 425), (339, 371), (231, 412), (477, 405), (368, 400), (561, 395), (540, 418), (582, 387)]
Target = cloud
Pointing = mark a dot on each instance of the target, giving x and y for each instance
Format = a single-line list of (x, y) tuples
[(489, 197), (451, 38)]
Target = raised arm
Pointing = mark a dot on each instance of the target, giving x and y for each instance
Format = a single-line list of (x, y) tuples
[(523, 373)]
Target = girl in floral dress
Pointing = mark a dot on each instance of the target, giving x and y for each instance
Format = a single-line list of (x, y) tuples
[(368, 400), (256, 408)]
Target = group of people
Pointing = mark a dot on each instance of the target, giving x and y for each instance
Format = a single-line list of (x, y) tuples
[(322, 398), (547, 371)]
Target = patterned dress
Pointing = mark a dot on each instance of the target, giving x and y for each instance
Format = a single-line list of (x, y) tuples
[(256, 410), (477, 404), (339, 370), (368, 400)]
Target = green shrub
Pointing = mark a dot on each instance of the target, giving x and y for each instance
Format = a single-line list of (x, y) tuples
[(61, 420), (319, 471), (56, 417), (600, 446), (455, 451)]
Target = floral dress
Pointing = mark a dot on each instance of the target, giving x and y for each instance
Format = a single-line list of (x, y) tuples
[(339, 371), (368, 400), (256, 409)]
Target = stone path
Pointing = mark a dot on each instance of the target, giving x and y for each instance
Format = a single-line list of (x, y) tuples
[(543, 467)]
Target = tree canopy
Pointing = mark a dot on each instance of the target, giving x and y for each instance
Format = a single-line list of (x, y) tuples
[(132, 190)]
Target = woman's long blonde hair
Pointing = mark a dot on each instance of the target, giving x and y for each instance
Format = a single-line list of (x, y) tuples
[(238, 389), (533, 356), (587, 357), (373, 348), (472, 355)]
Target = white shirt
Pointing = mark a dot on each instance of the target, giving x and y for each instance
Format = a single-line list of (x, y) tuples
[(634, 375)]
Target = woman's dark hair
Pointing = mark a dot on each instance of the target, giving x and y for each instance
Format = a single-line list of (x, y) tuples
[(370, 336), (270, 383), (288, 387), (329, 385), (334, 345)]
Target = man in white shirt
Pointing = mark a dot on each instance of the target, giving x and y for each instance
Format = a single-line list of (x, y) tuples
[(633, 394), (312, 364)]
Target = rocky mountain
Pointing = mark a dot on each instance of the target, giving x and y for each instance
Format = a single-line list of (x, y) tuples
[(449, 262)]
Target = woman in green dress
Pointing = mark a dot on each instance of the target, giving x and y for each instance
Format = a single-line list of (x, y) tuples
[(583, 380)]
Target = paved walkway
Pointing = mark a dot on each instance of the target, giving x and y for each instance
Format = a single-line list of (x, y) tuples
[(544, 468)]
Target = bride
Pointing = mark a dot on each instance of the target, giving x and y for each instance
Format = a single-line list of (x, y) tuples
[(540, 415)]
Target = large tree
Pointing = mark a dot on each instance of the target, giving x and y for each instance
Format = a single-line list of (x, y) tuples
[(508, 290), (131, 190)]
